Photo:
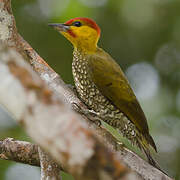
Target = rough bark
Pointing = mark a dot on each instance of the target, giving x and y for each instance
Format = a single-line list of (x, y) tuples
[(19, 151), (69, 135), (49, 169), (51, 124)]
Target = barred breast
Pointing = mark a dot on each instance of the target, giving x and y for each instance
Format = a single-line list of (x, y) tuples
[(93, 98)]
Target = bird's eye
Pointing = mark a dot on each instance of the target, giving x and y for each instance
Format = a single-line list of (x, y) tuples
[(77, 24)]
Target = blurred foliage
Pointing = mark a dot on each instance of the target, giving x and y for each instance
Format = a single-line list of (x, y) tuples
[(142, 35)]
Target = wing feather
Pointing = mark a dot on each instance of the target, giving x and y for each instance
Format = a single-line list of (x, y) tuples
[(112, 83)]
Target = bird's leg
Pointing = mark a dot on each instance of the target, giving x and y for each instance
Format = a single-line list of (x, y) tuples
[(90, 114), (94, 116)]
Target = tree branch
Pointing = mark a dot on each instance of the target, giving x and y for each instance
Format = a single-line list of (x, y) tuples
[(27, 153), (66, 137), (19, 151), (47, 104), (49, 169)]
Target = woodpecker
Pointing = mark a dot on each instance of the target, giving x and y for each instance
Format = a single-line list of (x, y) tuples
[(102, 85)]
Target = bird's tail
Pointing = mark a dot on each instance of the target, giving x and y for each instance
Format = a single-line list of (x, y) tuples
[(144, 146), (150, 158)]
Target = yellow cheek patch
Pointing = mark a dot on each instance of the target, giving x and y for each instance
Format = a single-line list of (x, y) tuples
[(83, 37)]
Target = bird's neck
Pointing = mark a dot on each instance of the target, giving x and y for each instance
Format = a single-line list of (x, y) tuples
[(86, 48), (80, 61), (79, 66), (79, 55)]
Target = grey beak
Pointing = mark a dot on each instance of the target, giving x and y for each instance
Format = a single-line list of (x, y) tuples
[(60, 27)]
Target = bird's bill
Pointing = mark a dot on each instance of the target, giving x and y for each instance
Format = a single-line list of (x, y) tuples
[(60, 27)]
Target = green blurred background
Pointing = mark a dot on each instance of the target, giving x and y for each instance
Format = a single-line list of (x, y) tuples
[(142, 35)]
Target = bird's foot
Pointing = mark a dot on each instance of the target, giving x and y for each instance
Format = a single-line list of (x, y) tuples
[(86, 112), (90, 114)]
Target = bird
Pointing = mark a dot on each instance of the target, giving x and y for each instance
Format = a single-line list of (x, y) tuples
[(102, 85)]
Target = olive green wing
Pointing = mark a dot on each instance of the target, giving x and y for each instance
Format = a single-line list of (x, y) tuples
[(112, 83)]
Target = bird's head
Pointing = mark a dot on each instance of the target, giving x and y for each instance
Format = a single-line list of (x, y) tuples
[(83, 33)]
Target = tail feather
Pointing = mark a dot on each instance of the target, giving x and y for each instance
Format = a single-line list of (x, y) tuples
[(150, 158), (151, 141), (144, 146)]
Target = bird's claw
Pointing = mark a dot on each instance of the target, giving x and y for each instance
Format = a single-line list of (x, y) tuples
[(76, 107), (90, 114)]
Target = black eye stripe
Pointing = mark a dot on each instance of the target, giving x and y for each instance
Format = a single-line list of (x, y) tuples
[(77, 23)]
